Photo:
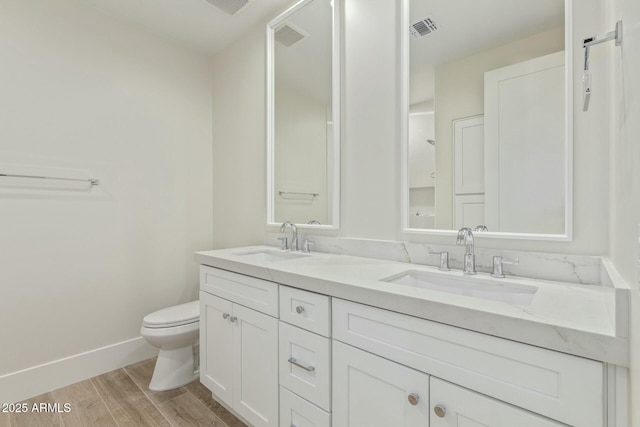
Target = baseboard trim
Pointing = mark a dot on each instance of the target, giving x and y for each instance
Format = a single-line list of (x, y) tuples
[(30, 382)]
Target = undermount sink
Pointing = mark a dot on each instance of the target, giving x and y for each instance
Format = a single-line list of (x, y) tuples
[(503, 291), (271, 255)]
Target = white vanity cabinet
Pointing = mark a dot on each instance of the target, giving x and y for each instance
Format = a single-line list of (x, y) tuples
[(282, 356), (376, 392), (239, 345), (507, 376)]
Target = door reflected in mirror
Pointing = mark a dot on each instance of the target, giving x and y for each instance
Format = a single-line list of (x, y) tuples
[(487, 142), (303, 133)]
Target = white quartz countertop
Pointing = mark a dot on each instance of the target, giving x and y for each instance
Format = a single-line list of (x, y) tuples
[(574, 319)]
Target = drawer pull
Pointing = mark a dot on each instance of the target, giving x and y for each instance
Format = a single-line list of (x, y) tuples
[(414, 399), (293, 361), (440, 410), (225, 315), (299, 309), (233, 319)]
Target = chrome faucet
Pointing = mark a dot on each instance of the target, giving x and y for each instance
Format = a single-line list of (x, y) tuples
[(465, 237), (294, 230)]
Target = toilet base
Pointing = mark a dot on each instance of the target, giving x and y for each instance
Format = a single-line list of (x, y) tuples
[(174, 368)]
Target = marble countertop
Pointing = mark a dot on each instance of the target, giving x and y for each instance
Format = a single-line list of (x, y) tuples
[(571, 318)]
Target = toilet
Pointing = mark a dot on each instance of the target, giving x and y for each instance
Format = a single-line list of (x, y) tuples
[(175, 331)]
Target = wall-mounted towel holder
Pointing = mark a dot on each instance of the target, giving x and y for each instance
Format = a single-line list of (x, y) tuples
[(586, 44), (92, 181), (297, 193)]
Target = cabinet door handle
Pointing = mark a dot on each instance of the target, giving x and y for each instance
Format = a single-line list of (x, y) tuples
[(293, 361), (225, 315), (299, 309), (440, 410), (413, 399), (233, 319)]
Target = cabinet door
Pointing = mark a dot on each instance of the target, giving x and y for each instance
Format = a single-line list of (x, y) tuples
[(454, 406), (255, 367), (525, 146), (369, 391), (216, 341)]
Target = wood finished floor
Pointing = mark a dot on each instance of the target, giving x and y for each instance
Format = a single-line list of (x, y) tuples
[(121, 399)]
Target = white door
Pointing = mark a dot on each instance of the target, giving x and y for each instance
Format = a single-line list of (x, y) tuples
[(468, 154), (216, 341), (454, 406), (369, 391), (469, 210), (525, 146), (255, 366)]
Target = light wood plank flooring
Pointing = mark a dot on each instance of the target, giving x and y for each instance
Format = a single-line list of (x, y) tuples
[(121, 399)]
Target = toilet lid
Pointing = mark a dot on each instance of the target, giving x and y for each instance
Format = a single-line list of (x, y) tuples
[(182, 314)]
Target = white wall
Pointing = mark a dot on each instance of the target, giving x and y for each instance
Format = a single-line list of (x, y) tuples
[(84, 90), (239, 147), (625, 167), (370, 150), (300, 156), (625, 133)]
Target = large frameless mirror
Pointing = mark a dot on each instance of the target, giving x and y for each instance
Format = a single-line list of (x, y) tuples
[(487, 140), (303, 133)]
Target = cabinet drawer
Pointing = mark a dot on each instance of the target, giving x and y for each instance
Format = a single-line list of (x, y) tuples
[(305, 366), (305, 309), (295, 411), (461, 407), (563, 387), (257, 294)]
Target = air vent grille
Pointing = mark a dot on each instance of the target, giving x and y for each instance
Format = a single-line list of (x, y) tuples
[(229, 6), (423, 27), (289, 34)]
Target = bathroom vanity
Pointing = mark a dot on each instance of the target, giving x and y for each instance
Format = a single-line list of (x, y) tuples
[(291, 339)]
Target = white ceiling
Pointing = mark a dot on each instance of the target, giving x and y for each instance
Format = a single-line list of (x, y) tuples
[(195, 23)]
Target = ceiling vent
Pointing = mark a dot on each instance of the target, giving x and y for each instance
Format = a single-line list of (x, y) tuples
[(423, 27), (229, 6), (288, 34)]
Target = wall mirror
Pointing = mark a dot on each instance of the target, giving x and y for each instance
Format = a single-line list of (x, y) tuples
[(303, 130), (487, 118)]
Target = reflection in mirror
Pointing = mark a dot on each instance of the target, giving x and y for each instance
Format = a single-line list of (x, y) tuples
[(487, 140), (302, 103)]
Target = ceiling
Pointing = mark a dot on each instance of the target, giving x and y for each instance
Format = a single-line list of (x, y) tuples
[(195, 23)]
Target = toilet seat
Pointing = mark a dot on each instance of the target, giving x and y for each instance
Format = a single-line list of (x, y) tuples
[(178, 315)]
